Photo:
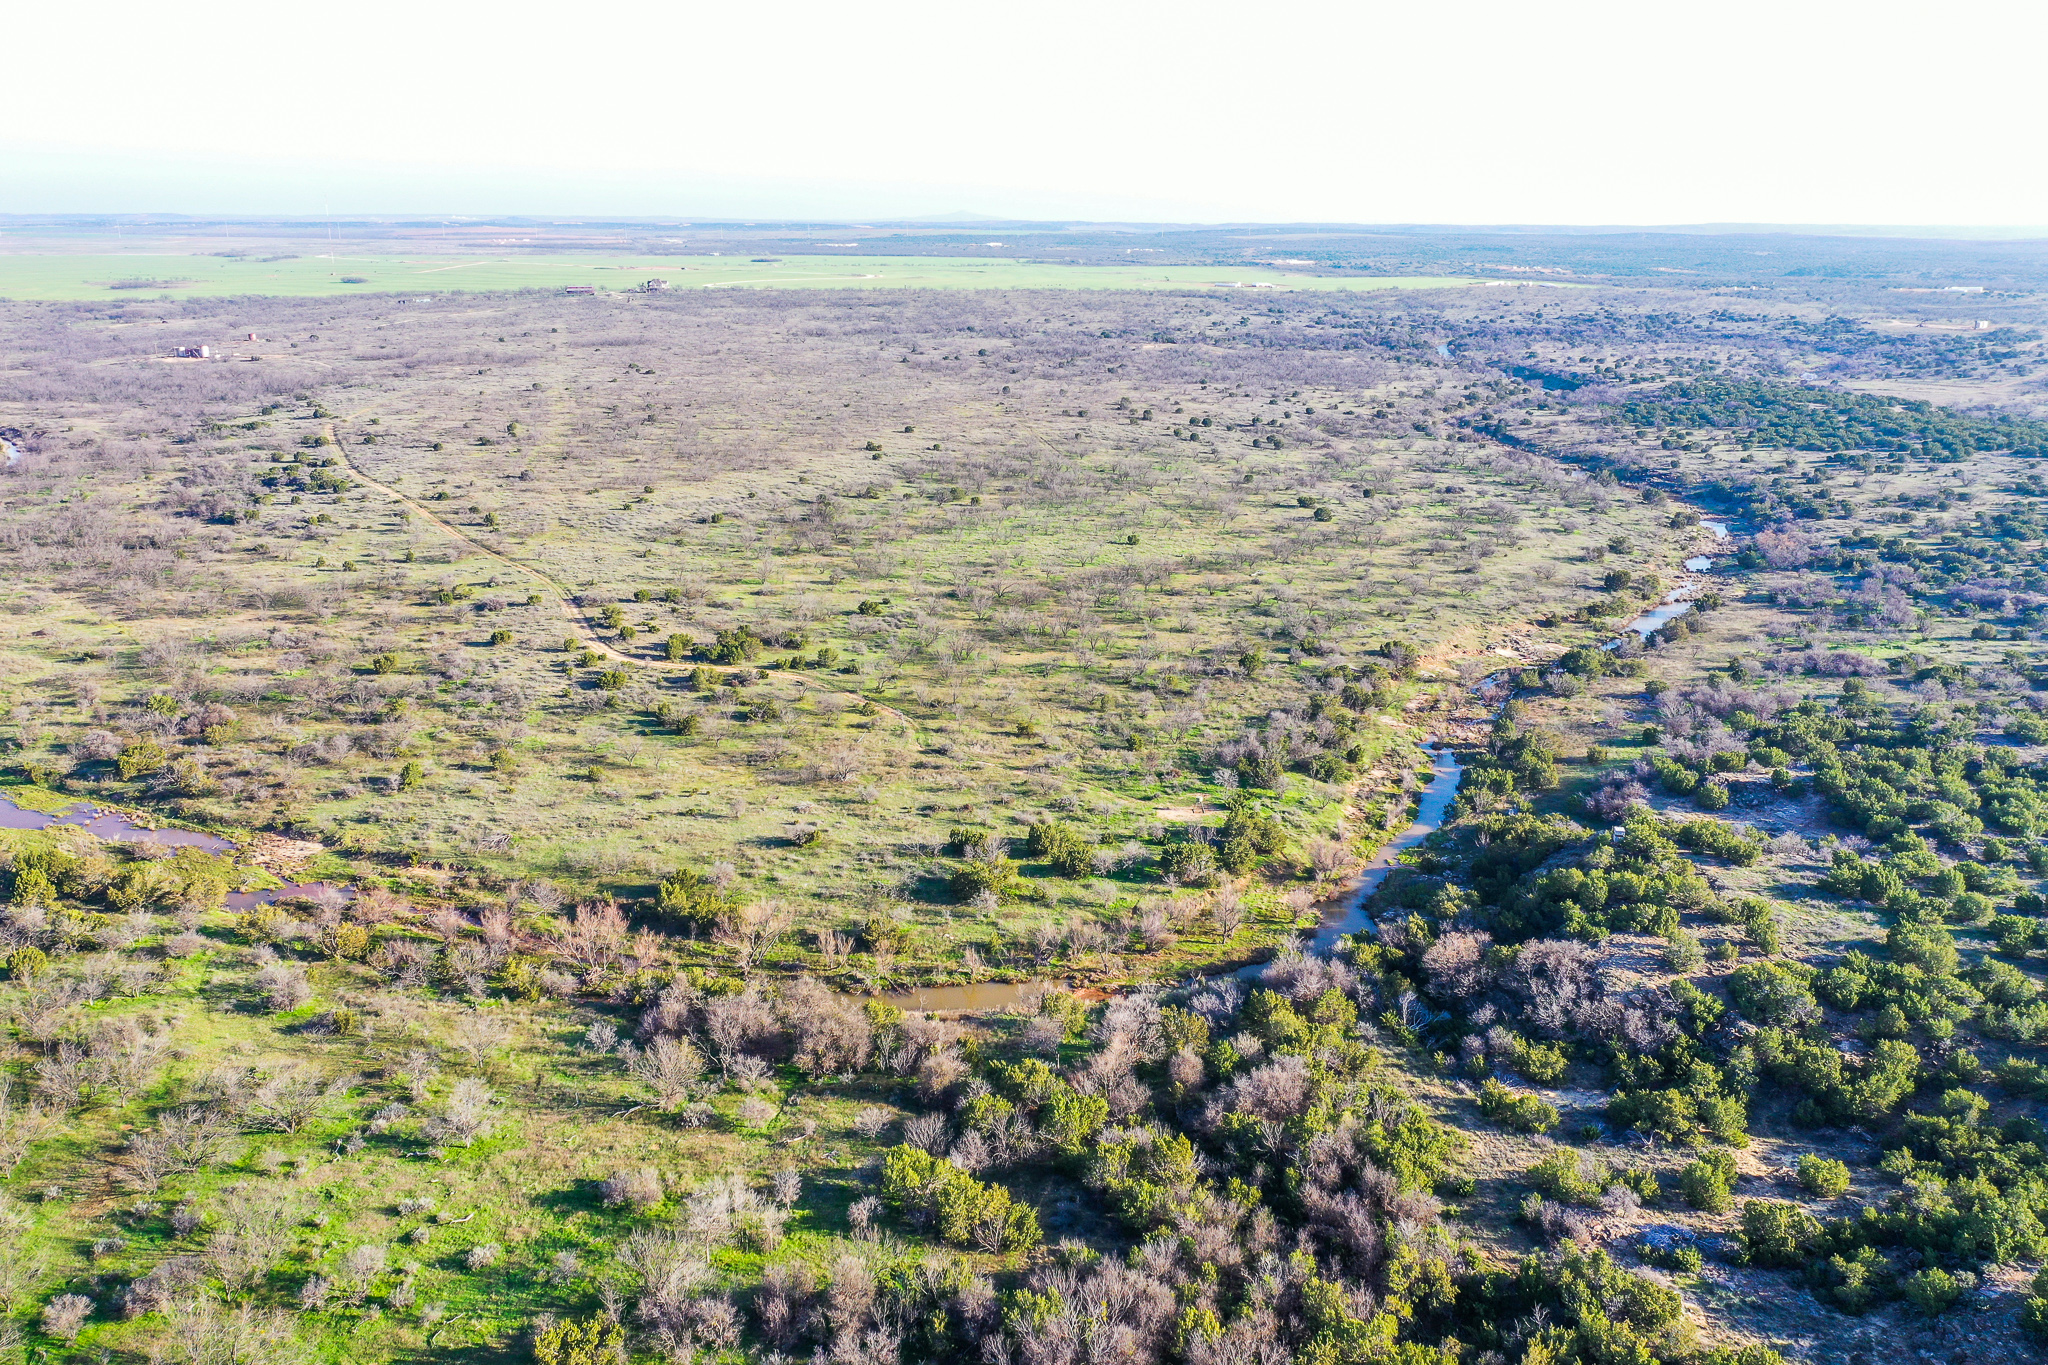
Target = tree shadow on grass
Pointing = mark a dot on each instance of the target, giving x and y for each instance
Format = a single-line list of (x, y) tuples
[(566, 1201), (504, 1352)]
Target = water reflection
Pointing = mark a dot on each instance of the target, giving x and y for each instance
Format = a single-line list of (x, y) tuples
[(112, 826), (1350, 916), (116, 828), (1347, 914)]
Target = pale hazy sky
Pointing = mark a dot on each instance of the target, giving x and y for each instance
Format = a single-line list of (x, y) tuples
[(1584, 111)]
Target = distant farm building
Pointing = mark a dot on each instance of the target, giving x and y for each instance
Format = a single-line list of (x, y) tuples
[(580, 289), (192, 353), (653, 285)]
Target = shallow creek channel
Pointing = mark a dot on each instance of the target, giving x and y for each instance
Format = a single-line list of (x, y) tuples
[(1678, 601), (117, 828), (1345, 914)]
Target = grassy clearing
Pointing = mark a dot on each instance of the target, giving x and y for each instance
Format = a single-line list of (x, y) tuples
[(980, 585), (560, 1120)]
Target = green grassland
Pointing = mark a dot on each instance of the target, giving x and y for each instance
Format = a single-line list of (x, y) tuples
[(116, 275), (561, 1118), (645, 657), (1061, 583)]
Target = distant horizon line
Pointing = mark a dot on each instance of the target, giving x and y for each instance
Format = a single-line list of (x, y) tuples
[(962, 220)]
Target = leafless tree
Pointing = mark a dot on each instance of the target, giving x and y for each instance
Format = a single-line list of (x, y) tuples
[(65, 1079), (360, 1269), (835, 946), (831, 1034), (595, 934), (1279, 1090), (167, 1283), (205, 1332), (64, 1316), (284, 986), (1554, 980), (254, 1227), (289, 1097), (1300, 976), (735, 1023), (1328, 857), (1226, 911), (672, 1068), (22, 1124), (928, 1131), (714, 1210), (672, 1303), (465, 1115), (1456, 965), (751, 930), (477, 1034), (782, 1302)]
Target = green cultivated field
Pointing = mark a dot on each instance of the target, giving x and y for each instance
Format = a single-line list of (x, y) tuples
[(47, 277)]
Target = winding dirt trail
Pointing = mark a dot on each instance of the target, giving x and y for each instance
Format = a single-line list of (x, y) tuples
[(578, 619)]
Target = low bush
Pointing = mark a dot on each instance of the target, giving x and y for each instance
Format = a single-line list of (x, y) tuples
[(1708, 1184), (1683, 1257), (1822, 1177), (1778, 1234), (1516, 1112), (1569, 1176), (1933, 1291), (965, 1211), (2034, 1312)]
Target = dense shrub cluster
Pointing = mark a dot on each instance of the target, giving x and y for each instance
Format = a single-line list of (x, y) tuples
[(1788, 416), (1491, 934), (1220, 1132)]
